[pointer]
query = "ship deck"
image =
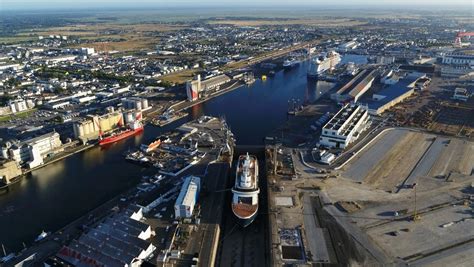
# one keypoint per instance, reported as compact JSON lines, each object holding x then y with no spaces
{"x":244,"y":210}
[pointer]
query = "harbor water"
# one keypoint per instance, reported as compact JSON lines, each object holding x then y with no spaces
{"x":53,"y":196}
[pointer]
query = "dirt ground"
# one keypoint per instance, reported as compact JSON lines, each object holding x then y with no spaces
{"x":458,"y":157}
{"x":398,"y":162}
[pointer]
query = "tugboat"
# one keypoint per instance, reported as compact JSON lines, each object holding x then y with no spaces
{"x":246,"y":190}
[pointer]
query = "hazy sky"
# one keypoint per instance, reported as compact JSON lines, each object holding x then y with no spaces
{"x":26,"y":4}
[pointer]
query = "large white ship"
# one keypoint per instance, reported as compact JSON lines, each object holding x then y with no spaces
{"x":323,"y":63}
{"x":245,"y":191}
{"x":290,"y":63}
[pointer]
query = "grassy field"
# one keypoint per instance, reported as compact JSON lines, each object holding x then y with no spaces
{"x":179,"y":77}
{"x":19,"y":115}
{"x":128,"y":37}
{"x":320,"y":22}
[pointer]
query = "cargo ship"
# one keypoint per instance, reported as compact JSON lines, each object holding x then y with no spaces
{"x":323,"y":63}
{"x":134,"y":128}
{"x":245,"y":191}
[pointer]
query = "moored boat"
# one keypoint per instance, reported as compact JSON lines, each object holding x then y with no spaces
{"x":246,"y":190}
{"x":135,"y":128}
{"x":323,"y":63}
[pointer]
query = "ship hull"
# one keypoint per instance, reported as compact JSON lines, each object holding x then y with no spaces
{"x":245,"y":222}
{"x":121,"y":136}
{"x":313,"y":75}
{"x":291,"y":65}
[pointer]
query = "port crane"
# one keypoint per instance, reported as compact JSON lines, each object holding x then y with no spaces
{"x":459,"y":36}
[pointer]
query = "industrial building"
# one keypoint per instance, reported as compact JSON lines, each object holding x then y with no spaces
{"x":389,"y":77}
{"x":345,"y":127}
{"x":188,"y":197}
{"x":385,"y":60}
{"x":32,"y":151}
{"x":84,"y":99}
{"x":394,"y":94}
{"x":93,"y":125}
{"x":120,"y":240}
{"x":461,"y":94}
{"x":196,"y":87}
{"x":455,"y":71}
{"x":9,"y":169}
{"x":356,"y":87}
{"x":456,"y":65}
{"x":347,"y":46}
{"x":458,"y":59}
{"x":19,"y":105}
{"x":137,"y":103}
{"x":87,"y":51}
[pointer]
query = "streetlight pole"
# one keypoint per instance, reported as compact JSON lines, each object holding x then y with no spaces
{"x":414,"y":214}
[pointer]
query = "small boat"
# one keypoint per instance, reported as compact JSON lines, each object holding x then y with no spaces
{"x":42,"y":236}
{"x":150,"y":147}
{"x":264,"y":77}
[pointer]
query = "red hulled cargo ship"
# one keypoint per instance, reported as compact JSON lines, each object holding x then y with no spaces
{"x":134,"y":128}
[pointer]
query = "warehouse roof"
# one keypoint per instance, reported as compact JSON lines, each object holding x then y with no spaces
{"x":396,"y":90}
{"x":188,"y":191}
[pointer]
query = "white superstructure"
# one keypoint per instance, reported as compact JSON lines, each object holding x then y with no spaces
{"x":323,"y":63}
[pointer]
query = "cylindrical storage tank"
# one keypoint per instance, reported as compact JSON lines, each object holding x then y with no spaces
{"x":138,"y":115}
{"x":89,"y":127}
{"x":144,"y":103}
{"x":4,"y":152}
{"x":129,"y":117}
{"x":80,"y":129}
{"x":139,"y":105}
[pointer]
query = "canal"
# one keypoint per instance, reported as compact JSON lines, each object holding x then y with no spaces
{"x":51,"y":197}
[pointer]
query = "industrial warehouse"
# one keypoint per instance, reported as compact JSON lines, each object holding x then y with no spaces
{"x":345,"y":127}
{"x":122,"y":240}
{"x":396,"y":93}
{"x":355,"y":88}
{"x":187,"y":198}
{"x":197,"y":87}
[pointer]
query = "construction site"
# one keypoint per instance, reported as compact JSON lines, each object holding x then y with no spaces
{"x":404,"y":198}
{"x":437,"y":111}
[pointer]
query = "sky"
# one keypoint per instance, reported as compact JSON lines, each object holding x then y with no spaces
{"x":31,"y":4}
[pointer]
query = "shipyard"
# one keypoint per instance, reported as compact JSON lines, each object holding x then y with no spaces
{"x":235,"y":139}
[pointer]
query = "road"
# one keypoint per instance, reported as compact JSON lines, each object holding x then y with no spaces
{"x":314,"y":234}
